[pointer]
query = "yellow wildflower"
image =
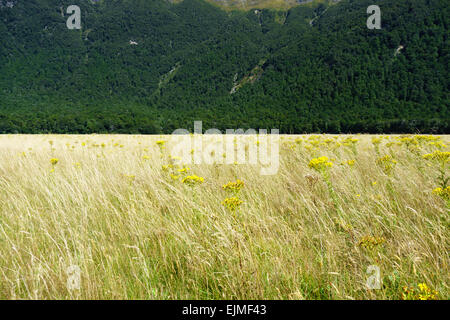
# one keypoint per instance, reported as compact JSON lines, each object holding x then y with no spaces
{"x":232,"y":204}
{"x":376,"y":141}
{"x":320,"y":164}
{"x":442,"y":192}
{"x":370,"y":242}
{"x":423,"y":292}
{"x":183,"y":170}
{"x":386,"y":163}
{"x":438,"y":144}
{"x":438,"y":156}
{"x":174,"y":157}
{"x":234,"y":187}
{"x":192,"y":180}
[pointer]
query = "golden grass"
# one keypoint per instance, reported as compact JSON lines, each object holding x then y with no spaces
{"x":136,"y":233}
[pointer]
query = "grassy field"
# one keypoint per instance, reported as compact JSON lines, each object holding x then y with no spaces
{"x":134,"y":223}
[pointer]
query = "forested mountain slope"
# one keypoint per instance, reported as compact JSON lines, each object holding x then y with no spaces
{"x":152,"y":66}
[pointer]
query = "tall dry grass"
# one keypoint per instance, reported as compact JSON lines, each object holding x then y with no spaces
{"x":136,"y":233}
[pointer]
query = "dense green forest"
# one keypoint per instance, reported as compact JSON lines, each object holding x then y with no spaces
{"x":315,"y":68}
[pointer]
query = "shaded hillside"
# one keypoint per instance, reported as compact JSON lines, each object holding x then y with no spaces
{"x":153,"y":66}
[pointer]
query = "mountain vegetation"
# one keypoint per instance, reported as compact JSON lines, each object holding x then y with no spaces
{"x":152,"y":66}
